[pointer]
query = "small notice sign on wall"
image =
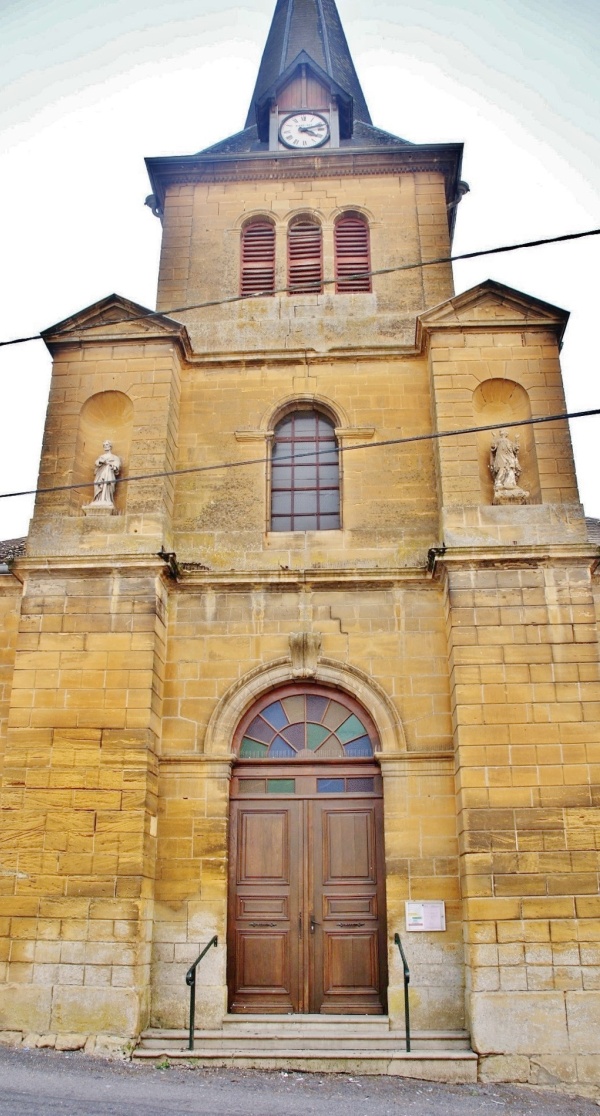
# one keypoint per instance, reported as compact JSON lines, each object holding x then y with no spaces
{"x":430,"y":914}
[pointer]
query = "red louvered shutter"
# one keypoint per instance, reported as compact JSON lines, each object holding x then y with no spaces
{"x":258,"y":259}
{"x":305,"y":258}
{"x":352,"y":255}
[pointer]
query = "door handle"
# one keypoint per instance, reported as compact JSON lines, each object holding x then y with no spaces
{"x":313,"y":924}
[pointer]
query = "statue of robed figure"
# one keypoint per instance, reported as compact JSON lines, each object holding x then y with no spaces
{"x":106,"y":470}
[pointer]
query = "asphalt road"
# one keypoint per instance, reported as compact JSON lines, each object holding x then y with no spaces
{"x":46,"y":1083}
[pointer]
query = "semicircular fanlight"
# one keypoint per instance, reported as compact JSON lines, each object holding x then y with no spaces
{"x":310,"y":725}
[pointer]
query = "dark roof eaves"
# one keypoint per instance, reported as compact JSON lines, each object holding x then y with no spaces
{"x":206,"y":155}
{"x":166,"y":169}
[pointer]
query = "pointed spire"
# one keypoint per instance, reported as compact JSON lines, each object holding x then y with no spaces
{"x":313,"y":26}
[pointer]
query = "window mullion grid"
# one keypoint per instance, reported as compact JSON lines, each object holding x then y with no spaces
{"x":318,"y":481}
{"x":293,"y":485}
{"x":307,"y":447}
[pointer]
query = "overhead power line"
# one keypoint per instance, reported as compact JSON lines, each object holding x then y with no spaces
{"x":433,"y":436}
{"x":326,"y":283}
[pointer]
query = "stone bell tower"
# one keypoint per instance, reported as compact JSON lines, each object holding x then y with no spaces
{"x":262,"y":623}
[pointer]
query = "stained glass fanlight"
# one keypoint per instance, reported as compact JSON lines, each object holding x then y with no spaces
{"x":309,"y":724}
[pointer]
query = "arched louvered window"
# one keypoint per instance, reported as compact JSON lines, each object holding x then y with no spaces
{"x":305,"y":474}
{"x":305,"y":257}
{"x":258,"y":258}
{"x":352,"y":254}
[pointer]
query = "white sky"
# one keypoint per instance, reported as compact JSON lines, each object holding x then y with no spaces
{"x":88,"y":88}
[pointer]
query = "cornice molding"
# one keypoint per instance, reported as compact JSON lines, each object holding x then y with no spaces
{"x":76,"y":566}
{"x":358,"y":578}
{"x":193,"y":358}
{"x":298,"y":356}
{"x":502,"y":557}
{"x":407,"y":764}
{"x":444,"y":159}
{"x":253,"y":435}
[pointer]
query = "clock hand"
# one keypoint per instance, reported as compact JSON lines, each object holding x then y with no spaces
{"x":311,"y":128}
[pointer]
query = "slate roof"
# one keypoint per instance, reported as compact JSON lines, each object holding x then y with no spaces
{"x":12,"y":548}
{"x":315,"y":27}
{"x":247,"y":141}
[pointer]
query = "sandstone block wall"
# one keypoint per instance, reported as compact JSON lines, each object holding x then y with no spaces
{"x":228,"y":413}
{"x":500,"y":345}
{"x":201,"y":259}
{"x":10,"y":592}
{"x":145,"y":373}
{"x":483,"y":671}
{"x":525,"y":692}
{"x":78,"y":803}
{"x":395,"y":637}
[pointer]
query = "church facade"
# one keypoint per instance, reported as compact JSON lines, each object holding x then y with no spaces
{"x":293,"y":672}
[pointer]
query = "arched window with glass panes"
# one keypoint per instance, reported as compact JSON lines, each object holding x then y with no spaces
{"x":305,"y":473}
{"x":307,"y":722}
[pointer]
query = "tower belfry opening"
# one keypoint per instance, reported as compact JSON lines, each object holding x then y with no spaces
{"x":289,"y":697}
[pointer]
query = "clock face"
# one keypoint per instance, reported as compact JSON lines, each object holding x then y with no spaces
{"x":302,"y":130}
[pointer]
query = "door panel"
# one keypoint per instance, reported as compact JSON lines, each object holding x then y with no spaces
{"x":264,"y":880}
{"x":348,"y":841}
{"x":264,"y":847}
{"x":263,"y":962}
{"x":350,"y":963}
{"x":349,"y":949}
{"x":306,"y":894}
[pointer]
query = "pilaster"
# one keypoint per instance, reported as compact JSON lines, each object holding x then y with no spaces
{"x":523,"y":650}
{"x":78,"y":800}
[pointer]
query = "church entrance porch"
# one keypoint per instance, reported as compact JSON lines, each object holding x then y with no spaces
{"x":306,"y":894}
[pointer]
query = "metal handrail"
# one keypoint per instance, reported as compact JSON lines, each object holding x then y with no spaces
{"x":406,"y":984}
{"x":190,"y":980}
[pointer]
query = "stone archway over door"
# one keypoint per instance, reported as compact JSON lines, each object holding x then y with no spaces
{"x":307,"y":926}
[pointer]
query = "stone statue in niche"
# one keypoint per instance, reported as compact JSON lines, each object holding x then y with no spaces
{"x":107,"y":468}
{"x":505,"y":468}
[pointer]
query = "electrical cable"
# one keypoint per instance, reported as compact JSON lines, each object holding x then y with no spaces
{"x":434,"y":436}
{"x":325,"y":283}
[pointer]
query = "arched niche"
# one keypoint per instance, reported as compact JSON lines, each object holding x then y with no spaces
{"x":501,"y":402}
{"x":108,"y":415}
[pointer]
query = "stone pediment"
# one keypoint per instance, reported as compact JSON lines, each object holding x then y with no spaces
{"x":492,"y":305}
{"x":115,"y":317}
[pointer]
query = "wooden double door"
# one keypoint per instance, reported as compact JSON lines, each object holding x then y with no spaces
{"x":306,"y":889}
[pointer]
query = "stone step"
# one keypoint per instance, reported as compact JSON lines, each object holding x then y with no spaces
{"x":459,"y":1067}
{"x":291,"y":1024}
{"x":304,"y":1037}
{"x":307,"y":1031}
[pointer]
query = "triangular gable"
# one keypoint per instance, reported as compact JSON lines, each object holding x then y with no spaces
{"x":493,"y":305}
{"x":345,"y":101}
{"x":114,"y":317}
